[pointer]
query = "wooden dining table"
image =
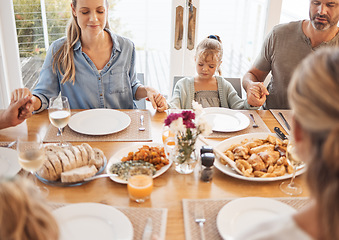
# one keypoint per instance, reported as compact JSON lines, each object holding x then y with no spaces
{"x":169,"y":189}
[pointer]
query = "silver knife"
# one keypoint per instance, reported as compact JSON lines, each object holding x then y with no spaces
{"x":148,"y":230}
{"x":283,"y":118}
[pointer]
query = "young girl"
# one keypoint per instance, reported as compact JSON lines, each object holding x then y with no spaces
{"x":206,"y":88}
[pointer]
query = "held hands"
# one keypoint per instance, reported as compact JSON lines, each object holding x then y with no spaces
{"x":19,"y":109}
{"x":256,"y":94}
{"x":25,"y":110}
{"x":158,"y":101}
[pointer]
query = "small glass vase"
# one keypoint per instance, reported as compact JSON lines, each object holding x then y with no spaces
{"x":186,"y":158}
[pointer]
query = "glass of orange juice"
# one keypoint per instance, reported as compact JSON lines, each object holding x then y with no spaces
{"x":140,"y":183}
{"x":167,"y":133}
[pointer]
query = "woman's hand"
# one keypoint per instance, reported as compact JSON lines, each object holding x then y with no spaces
{"x":158,"y":100}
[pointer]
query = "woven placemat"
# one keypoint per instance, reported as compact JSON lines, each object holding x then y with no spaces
{"x":262,"y":127}
{"x":129,"y":134}
{"x":212,"y":208}
{"x":138,"y":218}
{"x":287,"y":114}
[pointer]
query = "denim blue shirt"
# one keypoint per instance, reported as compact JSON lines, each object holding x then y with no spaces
{"x":114,"y":87}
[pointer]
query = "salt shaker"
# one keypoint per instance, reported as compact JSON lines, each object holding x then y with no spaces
{"x":207,"y":160}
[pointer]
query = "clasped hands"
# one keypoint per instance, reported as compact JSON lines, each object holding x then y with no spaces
{"x":157,"y":99}
{"x":256,"y":94}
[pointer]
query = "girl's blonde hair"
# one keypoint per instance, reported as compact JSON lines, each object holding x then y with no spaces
{"x":63,"y":59}
{"x":314,"y":97}
{"x":210,"y":46}
{"x":23,"y":212}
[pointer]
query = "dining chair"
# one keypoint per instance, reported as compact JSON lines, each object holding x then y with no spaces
{"x":141,"y":104}
{"x":236,"y":83}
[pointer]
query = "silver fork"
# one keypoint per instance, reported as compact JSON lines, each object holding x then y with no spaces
{"x":255,"y":125}
{"x":200,"y":218}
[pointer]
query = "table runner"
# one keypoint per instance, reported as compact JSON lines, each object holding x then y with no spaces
{"x":212,"y":208}
{"x":138,"y":218}
{"x":262,"y":127}
{"x":131,"y":133}
{"x":287,"y":114}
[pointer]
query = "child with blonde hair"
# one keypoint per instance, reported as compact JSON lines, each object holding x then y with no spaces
{"x":206,"y":88}
{"x":24,"y":215}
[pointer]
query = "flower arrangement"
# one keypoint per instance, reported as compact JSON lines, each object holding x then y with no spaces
{"x":187,"y":126}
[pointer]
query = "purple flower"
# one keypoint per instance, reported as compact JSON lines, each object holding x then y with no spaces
{"x":170,"y":118}
{"x":189,"y":124}
{"x":188,"y":115}
{"x":187,"y":118}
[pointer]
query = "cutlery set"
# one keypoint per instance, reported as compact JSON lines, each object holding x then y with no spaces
{"x":11,"y":144}
{"x":147,"y":235}
{"x":142,"y":128}
{"x":255,"y":125}
{"x":200,"y":219}
{"x":285,"y":121}
{"x":280,"y":133}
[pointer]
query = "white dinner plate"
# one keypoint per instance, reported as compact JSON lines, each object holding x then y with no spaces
{"x":124,"y":152}
{"x":9,"y":162}
{"x":244,"y":213}
{"x":222,"y":146}
{"x":100,"y":121}
{"x":226,"y":120}
{"x":87,"y":221}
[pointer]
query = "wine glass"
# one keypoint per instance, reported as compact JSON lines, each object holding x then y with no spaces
{"x":31,"y":155}
{"x":59,"y":114}
{"x":290,"y":187}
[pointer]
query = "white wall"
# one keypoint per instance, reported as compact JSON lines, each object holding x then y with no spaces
{"x":10,"y":70}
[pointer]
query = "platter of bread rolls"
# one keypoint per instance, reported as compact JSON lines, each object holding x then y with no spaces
{"x":69,"y":166}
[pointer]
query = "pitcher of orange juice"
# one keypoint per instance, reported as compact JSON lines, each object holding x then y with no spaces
{"x":140,"y":183}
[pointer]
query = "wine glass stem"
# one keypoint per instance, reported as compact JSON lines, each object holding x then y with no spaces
{"x":61,"y":137}
{"x":293,"y":176}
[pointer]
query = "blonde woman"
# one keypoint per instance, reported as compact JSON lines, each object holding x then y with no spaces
{"x":92,"y":66}
{"x":23,"y":212}
{"x":313,"y":94}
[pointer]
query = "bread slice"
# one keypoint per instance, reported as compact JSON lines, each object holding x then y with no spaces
{"x":78,"y":174}
{"x":66,"y":165}
{"x":54,"y":160}
{"x":90,"y":151}
{"x":84,"y":154}
{"x":53,"y":148}
{"x":43,"y":172}
{"x":71,"y":157}
{"x":77,"y":155}
{"x":52,"y":175}
{"x":98,"y":160}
